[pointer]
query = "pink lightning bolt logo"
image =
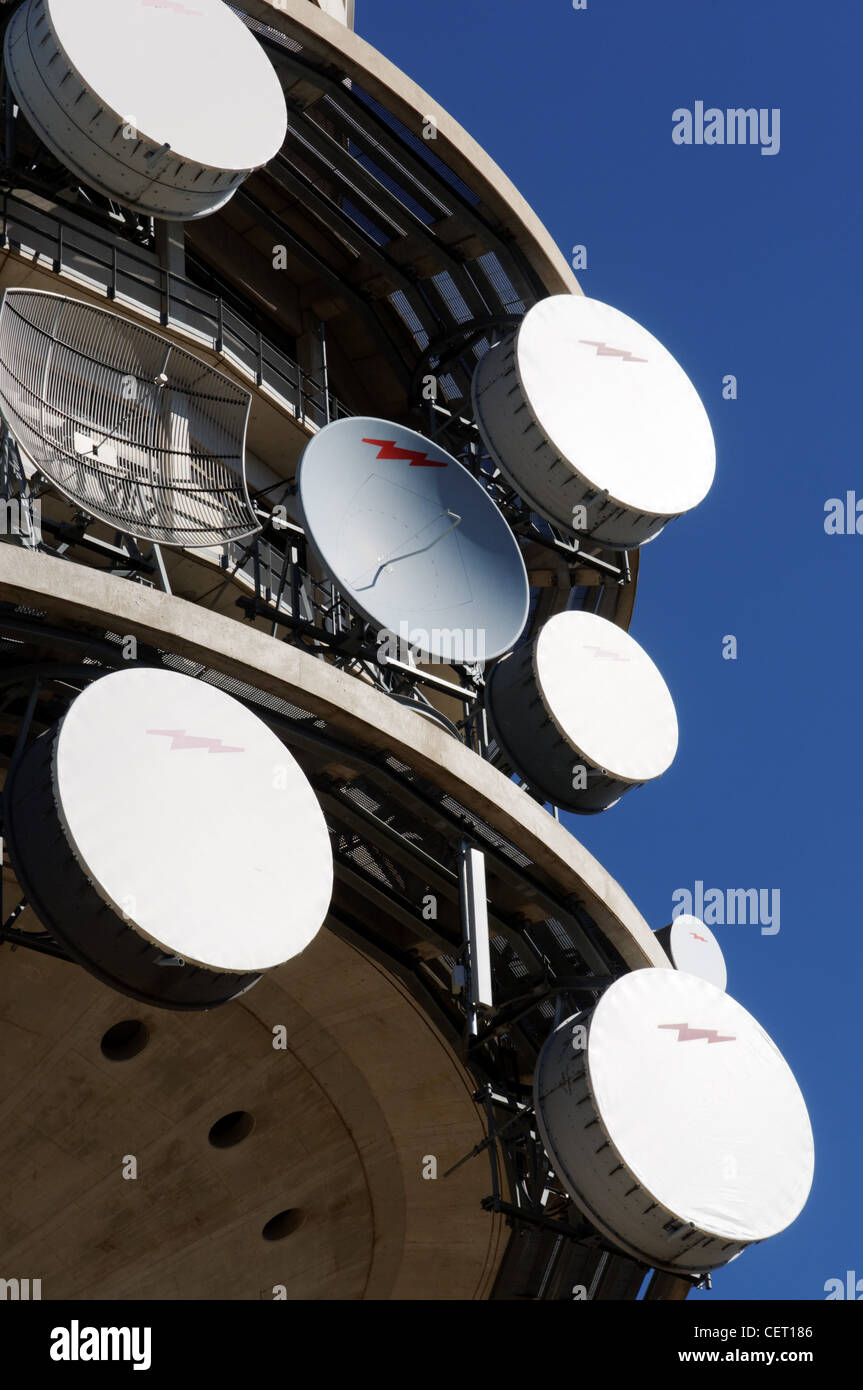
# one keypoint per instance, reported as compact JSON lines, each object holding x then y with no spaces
{"x":696,"y":937}
{"x":388,"y":449}
{"x":168,"y":5}
{"x":687,"y":1034}
{"x":605,"y":654}
{"x":180,"y":739}
{"x":603,"y":350}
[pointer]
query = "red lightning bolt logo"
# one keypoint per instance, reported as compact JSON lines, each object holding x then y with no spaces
{"x":696,"y":937}
{"x":388,"y":449}
{"x":603,"y":350}
{"x":687,"y":1034}
{"x":180,"y":739}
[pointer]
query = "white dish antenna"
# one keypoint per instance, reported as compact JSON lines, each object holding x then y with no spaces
{"x":133,"y":429}
{"x":414,"y":542}
{"x":165,"y":105}
{"x":581,"y":713}
{"x":162,"y":822}
{"x":678,"y":1128}
{"x":582,"y":408}
{"x":694,"y":949}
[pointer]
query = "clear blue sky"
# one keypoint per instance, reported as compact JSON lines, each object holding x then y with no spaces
{"x":747,"y":264}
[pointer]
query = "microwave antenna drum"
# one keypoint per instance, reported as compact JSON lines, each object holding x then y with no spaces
{"x":593,"y":422}
{"x":165,"y":835}
{"x":674,"y":1122}
{"x":165,"y":106}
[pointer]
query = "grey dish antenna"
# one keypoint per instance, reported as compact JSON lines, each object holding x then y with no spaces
{"x":594,"y":422}
{"x":139,"y":433}
{"x":414,"y":542}
{"x":165,"y":105}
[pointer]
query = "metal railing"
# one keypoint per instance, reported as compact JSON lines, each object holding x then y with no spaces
{"x":127,"y":275}
{"x":140,"y":433}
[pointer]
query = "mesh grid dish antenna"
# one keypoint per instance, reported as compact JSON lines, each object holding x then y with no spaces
{"x":168,"y":838}
{"x":581,"y":407}
{"x":136,"y":431}
{"x":581,"y":713}
{"x":694,"y":949}
{"x":165,"y":105}
{"x":415,"y":543}
{"x":677,"y":1126}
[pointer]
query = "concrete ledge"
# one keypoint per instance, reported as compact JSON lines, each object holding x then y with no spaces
{"x":70,"y":592}
{"x":330,"y":39}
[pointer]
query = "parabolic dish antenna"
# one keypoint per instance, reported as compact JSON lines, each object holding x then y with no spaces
{"x":694,"y":949}
{"x":582,"y":407}
{"x":415,"y":543}
{"x":133,"y":429}
{"x":161,"y":818}
{"x":582,"y":713}
{"x":679,"y":1128}
{"x":165,"y":105}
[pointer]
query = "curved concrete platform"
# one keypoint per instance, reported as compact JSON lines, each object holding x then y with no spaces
{"x":346,"y":1117}
{"x":364,"y":716}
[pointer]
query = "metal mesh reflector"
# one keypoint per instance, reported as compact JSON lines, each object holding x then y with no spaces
{"x":138,"y":432}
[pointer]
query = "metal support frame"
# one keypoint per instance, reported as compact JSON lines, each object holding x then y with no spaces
{"x":41,"y":941}
{"x":533,"y":1181}
{"x":474,"y":916}
{"x":15,"y":487}
{"x":536,"y":1187}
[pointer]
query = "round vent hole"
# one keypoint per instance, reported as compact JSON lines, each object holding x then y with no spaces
{"x":283,"y":1225}
{"x":125,"y":1040}
{"x":231,"y":1129}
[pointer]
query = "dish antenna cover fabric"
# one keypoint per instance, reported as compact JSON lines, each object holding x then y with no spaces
{"x":679,"y":1128}
{"x":162,"y":819}
{"x":694,"y":949}
{"x":581,"y":713}
{"x":138,"y":432}
{"x":581,"y":406}
{"x":165,"y":105}
{"x":415,"y":543}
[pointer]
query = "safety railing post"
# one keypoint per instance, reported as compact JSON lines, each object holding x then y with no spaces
{"x":141,"y":277}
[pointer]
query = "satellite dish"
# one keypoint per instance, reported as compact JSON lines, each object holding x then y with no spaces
{"x":165,"y":835}
{"x":415,"y":543}
{"x":582,"y":407}
{"x":133,"y":429}
{"x":694,"y":949}
{"x":678,"y":1128}
{"x":165,"y":105}
{"x":581,"y":713}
